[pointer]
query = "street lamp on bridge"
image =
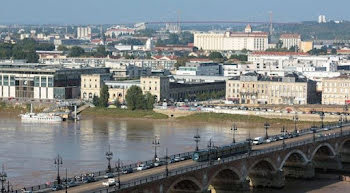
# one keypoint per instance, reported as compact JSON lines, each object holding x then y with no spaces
{"x":3,"y":177}
{"x":155,"y":143}
{"x":295,"y":119}
{"x":234,"y":129}
{"x":314,"y":130}
{"x":341,"y":119}
{"x":118,"y":166}
{"x":266,"y":126}
{"x":58,"y":162}
{"x":109,"y":156}
{"x":283,"y":131}
{"x":346,"y":109}
{"x":197,"y":138}
{"x":322,"y":115}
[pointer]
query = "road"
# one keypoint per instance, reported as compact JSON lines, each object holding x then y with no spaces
{"x":96,"y":186}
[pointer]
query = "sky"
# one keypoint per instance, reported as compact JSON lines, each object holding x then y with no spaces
{"x":130,"y":11}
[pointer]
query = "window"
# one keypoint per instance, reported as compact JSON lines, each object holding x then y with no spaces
{"x":155,"y":88}
{"x":50,"y":81}
{"x":12,"y":81}
{"x":43,"y":81}
{"x":37,"y":81}
{"x":0,"y":80}
{"x":6,"y":80}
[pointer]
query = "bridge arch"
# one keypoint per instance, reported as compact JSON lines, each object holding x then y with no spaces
{"x":344,"y":152}
{"x":225,"y":179}
{"x":325,"y":147}
{"x":264,"y":173}
{"x":296,"y":152}
{"x":185,"y":185}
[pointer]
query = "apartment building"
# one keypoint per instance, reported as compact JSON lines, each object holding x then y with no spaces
{"x":91,"y":85}
{"x":336,"y":91}
{"x":250,"y":40}
{"x":156,"y":85}
{"x":291,"y":40}
{"x":253,"y":88}
{"x":199,"y":69}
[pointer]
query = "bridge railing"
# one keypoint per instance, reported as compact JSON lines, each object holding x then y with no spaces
{"x":199,"y":166}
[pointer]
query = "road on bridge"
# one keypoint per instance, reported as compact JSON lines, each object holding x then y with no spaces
{"x":97,"y":186}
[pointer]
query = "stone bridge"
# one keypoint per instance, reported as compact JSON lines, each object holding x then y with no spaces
{"x":263,"y":168}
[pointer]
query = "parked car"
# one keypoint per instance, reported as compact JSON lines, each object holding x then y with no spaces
{"x":109,"y":175}
{"x":128,"y":171}
{"x":56,"y":187}
{"x":109,"y":182}
{"x":141,"y":167}
{"x":258,"y":140}
{"x":177,"y":159}
{"x":89,"y":179}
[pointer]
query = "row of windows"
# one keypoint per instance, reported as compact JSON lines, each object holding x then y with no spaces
{"x":334,"y":84}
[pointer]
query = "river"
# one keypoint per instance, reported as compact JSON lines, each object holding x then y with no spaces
{"x":27,"y":150}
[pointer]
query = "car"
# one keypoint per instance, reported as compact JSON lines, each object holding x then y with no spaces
{"x":56,"y":187}
{"x":281,"y":137}
{"x":128,"y":171}
{"x":141,"y":167}
{"x":150,"y":165}
{"x":268,"y":140}
{"x":326,"y":129}
{"x":71,"y":184}
{"x":89,"y":179}
{"x":258,"y":140}
{"x":109,"y":175}
{"x":109,"y":182}
{"x":177,"y":159}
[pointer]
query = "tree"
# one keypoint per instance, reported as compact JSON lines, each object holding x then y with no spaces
{"x":334,"y":51}
{"x":149,"y":101}
{"x":215,"y":56}
{"x":117,"y":103}
{"x":104,"y":96}
{"x":101,"y":52}
{"x":239,"y":57}
{"x":76,"y":51}
{"x":62,"y":48}
{"x":95,"y":101}
{"x":134,"y":98}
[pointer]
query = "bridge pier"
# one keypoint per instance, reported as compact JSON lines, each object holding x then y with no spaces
{"x":298,"y":170}
{"x":273,"y":179}
{"x":327,"y":162}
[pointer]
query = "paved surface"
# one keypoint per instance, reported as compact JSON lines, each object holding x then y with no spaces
{"x":96,"y":186}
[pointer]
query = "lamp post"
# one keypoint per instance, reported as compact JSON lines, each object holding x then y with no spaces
{"x":234,"y":129}
{"x":58,"y":162}
{"x":266,"y":126}
{"x":283,"y":131}
{"x":118,"y":173}
{"x":295,"y":119}
{"x":66,"y":181}
{"x":313,"y":129}
{"x":109,"y":156}
{"x":197,"y":138}
{"x":155,"y":143}
{"x":341,"y":125}
{"x":322,"y":115}
{"x":3,"y":177}
{"x":346,"y":109}
{"x":210,"y":146}
{"x":166,"y":163}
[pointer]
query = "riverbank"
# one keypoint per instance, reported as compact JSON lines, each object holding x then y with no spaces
{"x":123,"y":113}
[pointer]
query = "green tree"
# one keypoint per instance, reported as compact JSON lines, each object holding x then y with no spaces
{"x":117,"y":103}
{"x":76,"y":51}
{"x":216,"y":56}
{"x":101,"y":51}
{"x":95,"y":101}
{"x":104,"y":96}
{"x":240,"y":57}
{"x":149,"y":101}
{"x":62,"y":48}
{"x":134,"y":98}
{"x":334,"y":51}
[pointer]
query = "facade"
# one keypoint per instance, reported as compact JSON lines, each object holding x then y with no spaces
{"x":322,"y":19}
{"x":91,"y":84}
{"x":156,"y":85}
{"x":306,"y":46}
{"x":119,"y":31}
{"x":255,"y":41}
{"x":84,"y":32}
{"x":35,"y":81}
{"x":291,"y":40}
{"x":256,"y":89}
{"x":336,"y":91}
{"x":199,"y":69}
{"x":117,"y":89}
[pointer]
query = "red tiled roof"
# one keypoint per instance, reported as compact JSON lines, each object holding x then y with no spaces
{"x":296,"y":36}
{"x":280,"y":53}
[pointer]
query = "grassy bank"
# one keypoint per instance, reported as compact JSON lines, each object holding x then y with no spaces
{"x":9,"y":108}
{"x":220,"y":117}
{"x":123,"y":113}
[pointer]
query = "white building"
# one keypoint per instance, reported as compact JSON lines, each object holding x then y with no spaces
{"x":291,"y":40}
{"x":119,"y":31}
{"x":84,"y":33}
{"x":322,"y":19}
{"x":255,"y":41}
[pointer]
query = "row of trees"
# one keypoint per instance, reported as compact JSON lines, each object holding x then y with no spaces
{"x":24,"y":49}
{"x":176,"y":39}
{"x":77,"y":51}
{"x":135,"y":99}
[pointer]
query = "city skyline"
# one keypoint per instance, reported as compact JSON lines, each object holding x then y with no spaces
{"x":109,"y":12}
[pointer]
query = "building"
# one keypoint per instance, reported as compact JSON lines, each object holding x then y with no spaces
{"x":157,"y":86}
{"x":45,"y":82}
{"x":250,"y":40}
{"x":291,"y":41}
{"x":336,"y":91}
{"x":117,"y":89}
{"x":306,"y":46}
{"x":322,"y":19}
{"x":116,"y":31}
{"x":91,"y":84}
{"x":84,"y":33}
{"x":253,"y":88}
{"x":199,"y":69}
